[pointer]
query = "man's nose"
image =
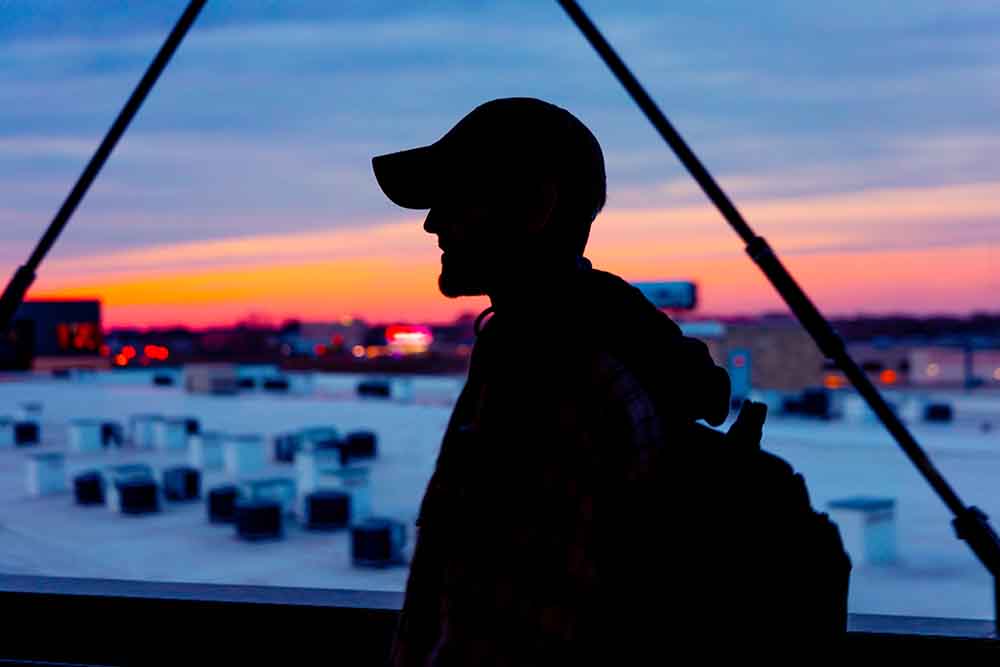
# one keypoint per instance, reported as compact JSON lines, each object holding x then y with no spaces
{"x":430,"y":223}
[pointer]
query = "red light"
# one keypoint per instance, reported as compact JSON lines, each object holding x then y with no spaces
{"x":85,"y":335}
{"x":157,"y":352}
{"x":337,"y":340}
{"x":78,"y":336}
{"x":62,"y":335}
{"x":105,"y":351}
{"x":319,"y":350}
{"x":405,"y":332}
{"x":121,"y":359}
{"x":128,"y":352}
{"x":888,"y":376}
{"x":739,"y":361}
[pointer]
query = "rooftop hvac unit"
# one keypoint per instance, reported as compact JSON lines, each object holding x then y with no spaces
{"x":46,"y":474}
{"x":86,"y":435}
{"x":170,"y":434}
{"x":222,"y":503}
{"x":142,"y":430}
{"x":244,"y":455}
{"x":27,"y":433}
{"x":116,"y":475}
{"x":359,"y":445}
{"x":111,"y":434}
{"x":286,"y":445}
{"x":940,"y":413}
{"x":138,"y":496}
{"x":320,"y":437}
{"x":88,"y":488}
{"x":375,"y":388}
{"x":205,"y":450}
{"x":278,"y":489}
{"x":259,"y":520}
{"x":327,"y":510}
{"x":812,"y":402}
{"x":399,"y":389}
{"x":275,"y":384}
{"x":868,"y":528}
{"x":354,"y":480}
{"x":181,"y":483}
{"x":378,"y":542}
{"x":315,"y":469}
{"x":163,"y":380}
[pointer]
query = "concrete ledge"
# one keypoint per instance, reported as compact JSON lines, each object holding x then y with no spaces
{"x":116,"y":622}
{"x":920,"y":626}
{"x":223,"y":593}
{"x":119,"y":622}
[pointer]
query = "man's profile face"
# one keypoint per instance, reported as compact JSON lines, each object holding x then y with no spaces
{"x":466,"y":234}
{"x":485,"y":233}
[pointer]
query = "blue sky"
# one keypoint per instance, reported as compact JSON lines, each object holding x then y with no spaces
{"x":267,"y":118}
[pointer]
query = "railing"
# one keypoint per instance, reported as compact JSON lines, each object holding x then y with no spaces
{"x":59,"y":620}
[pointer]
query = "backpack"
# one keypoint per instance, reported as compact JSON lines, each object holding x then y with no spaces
{"x":799,"y":573}
{"x":729,"y":547}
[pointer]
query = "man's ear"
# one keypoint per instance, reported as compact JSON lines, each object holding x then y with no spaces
{"x":541,"y":207}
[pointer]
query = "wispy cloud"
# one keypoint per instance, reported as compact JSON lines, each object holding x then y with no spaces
{"x":847,"y":133}
{"x":881,"y":235}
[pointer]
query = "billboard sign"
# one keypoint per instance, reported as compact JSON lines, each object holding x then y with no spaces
{"x":673,"y":295}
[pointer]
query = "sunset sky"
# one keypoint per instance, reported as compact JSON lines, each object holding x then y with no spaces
{"x":863,"y":141}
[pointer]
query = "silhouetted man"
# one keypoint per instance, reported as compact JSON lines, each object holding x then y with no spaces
{"x":541,"y":528}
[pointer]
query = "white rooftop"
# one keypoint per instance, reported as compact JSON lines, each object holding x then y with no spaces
{"x":936,"y":575}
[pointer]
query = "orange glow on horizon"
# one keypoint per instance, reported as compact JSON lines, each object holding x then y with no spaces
{"x":388,"y":272}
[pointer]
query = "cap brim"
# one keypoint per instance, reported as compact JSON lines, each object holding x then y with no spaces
{"x":408,"y":178}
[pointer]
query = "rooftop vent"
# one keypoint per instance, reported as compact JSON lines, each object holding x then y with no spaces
{"x":378,"y":542}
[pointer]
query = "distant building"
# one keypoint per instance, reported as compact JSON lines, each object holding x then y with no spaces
{"x":931,"y":365}
{"x":50,"y":335}
{"x":319,"y":339}
{"x":455,"y":339}
{"x":954,"y":367}
{"x":766,"y":353}
{"x":884,"y":363}
{"x":986,"y":366}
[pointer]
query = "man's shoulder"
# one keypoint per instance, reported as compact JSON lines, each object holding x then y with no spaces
{"x":617,"y":393}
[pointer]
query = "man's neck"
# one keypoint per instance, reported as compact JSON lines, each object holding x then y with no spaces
{"x":537,"y":291}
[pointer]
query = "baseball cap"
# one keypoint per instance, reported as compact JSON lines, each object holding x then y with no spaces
{"x":503,"y":142}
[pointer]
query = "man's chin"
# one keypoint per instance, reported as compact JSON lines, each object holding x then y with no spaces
{"x":454,"y":286}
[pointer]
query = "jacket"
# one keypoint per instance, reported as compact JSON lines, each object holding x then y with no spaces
{"x":528,"y":529}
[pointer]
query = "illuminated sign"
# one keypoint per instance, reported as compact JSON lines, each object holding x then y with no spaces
{"x":408,"y":339}
{"x":673,"y":295}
